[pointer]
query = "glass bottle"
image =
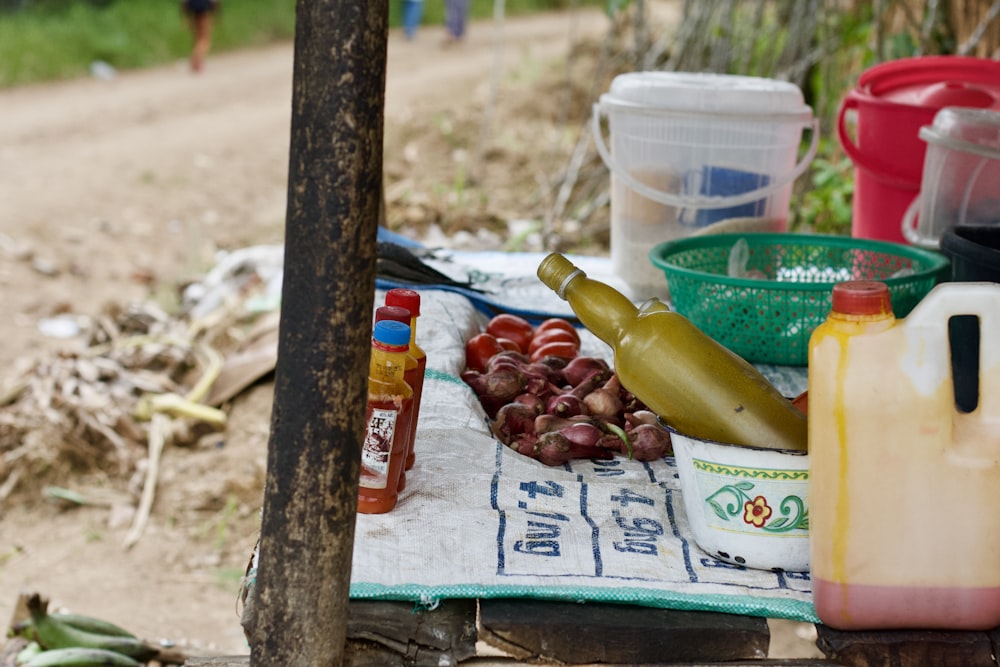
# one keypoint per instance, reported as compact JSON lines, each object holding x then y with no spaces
{"x":416,"y":363}
{"x":653,"y":305}
{"x":390,"y":400}
{"x":696,"y":385}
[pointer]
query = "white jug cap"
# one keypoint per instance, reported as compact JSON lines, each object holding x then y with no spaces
{"x":708,"y":93}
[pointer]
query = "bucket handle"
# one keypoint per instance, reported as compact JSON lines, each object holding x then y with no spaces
{"x":929,"y":319}
{"x":697,"y":201}
{"x":909,"y":224}
{"x":885,"y":171}
{"x":909,"y":227}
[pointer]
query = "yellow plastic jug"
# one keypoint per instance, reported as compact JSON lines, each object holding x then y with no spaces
{"x":904,"y":487}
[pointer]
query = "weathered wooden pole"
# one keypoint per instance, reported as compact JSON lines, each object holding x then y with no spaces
{"x":317,"y":424}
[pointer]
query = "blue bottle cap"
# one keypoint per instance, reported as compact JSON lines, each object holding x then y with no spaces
{"x":392,"y":333}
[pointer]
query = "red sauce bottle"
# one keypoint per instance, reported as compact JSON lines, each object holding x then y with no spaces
{"x":390,"y":399}
{"x":416,"y":364}
{"x":400,"y":314}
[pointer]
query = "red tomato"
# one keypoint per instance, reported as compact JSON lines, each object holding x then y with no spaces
{"x":479,"y":349}
{"x":559,"y":324}
{"x":508,"y":344}
{"x":558,"y":348}
{"x":512,"y":327}
{"x":552,"y":336}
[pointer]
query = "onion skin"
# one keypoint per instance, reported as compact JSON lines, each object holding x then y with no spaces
{"x":524,"y":445}
{"x":502,"y":384}
{"x":496,"y":388}
{"x":637,"y":417}
{"x":582,"y":434}
{"x":502,"y":361}
{"x":555,"y":449}
{"x":650,"y":442}
{"x":580,"y":368}
{"x":518,"y":361}
{"x":553,"y":375}
{"x":512,"y":420}
{"x":591,"y":383}
{"x":552,"y":361}
{"x":545,"y":423}
{"x":539,"y":379}
{"x":539,"y":386}
{"x":536,"y":404}
{"x":605,"y":404}
{"x":514,"y":355}
{"x":613,"y":443}
{"x":565,"y":405}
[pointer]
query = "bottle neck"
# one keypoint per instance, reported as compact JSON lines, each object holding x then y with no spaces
{"x":864,"y":317}
{"x":851,"y":323}
{"x":413,"y":332}
{"x":387,"y":364}
{"x":602,"y":309}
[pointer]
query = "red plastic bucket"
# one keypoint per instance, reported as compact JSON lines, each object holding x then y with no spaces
{"x":889,"y":105}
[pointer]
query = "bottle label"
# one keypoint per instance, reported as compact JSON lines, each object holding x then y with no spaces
{"x":377,"y":447}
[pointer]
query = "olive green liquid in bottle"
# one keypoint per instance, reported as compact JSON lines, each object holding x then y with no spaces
{"x":696,"y":385}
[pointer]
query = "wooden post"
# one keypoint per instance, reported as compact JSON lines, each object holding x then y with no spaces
{"x":317,"y":423}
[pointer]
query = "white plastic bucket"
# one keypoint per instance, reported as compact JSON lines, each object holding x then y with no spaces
{"x":688,"y":150}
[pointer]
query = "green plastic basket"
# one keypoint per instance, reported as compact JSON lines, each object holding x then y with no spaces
{"x":768,"y":320}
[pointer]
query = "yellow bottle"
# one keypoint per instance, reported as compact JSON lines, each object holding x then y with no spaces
{"x":693,"y":383}
{"x":416,"y":361}
{"x":387,"y":415}
{"x":903,"y":490}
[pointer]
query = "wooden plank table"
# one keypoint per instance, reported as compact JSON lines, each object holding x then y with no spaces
{"x":518,"y":631}
{"x":504,"y":632}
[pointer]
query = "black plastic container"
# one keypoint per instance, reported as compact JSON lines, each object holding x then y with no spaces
{"x":974,"y":251}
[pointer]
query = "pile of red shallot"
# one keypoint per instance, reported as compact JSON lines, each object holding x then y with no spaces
{"x":548,"y":402}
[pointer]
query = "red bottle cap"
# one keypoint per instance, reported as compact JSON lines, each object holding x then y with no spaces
{"x":862,"y":297}
{"x":407,"y":298}
{"x":393,"y":313}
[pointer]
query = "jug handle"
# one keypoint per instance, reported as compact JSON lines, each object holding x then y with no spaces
{"x":982,"y":299}
{"x":695,"y":201}
{"x":885,"y":171}
{"x":909,"y":226}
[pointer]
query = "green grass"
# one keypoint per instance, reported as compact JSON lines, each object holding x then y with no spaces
{"x":45,"y":45}
{"x":61,"y":40}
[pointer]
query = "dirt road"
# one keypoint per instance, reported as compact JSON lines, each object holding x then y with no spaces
{"x":108,"y":186}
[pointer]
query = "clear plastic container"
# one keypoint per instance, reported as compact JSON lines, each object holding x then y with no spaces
{"x":903,"y":490}
{"x":961,"y":177}
{"x":689,"y":150}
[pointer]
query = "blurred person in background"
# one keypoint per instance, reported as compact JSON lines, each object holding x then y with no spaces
{"x":413,"y":11}
{"x":455,"y":15}
{"x":200,"y":15}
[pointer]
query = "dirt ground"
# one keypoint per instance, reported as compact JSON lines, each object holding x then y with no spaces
{"x":122,"y":190}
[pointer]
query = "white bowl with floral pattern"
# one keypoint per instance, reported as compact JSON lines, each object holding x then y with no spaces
{"x":746,"y":505}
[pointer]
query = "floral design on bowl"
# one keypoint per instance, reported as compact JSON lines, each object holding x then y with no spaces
{"x":746,"y":505}
{"x":742,"y":499}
